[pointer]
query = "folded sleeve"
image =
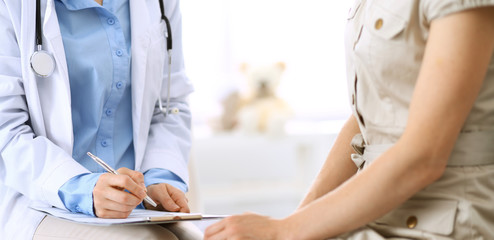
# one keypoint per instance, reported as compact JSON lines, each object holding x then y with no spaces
{"x":77,"y":193}
{"x":157,"y":176}
{"x":433,"y":9}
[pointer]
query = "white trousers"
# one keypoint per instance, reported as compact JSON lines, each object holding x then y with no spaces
{"x":53,"y":228}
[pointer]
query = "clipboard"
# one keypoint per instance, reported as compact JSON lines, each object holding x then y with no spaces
{"x":138,"y":216}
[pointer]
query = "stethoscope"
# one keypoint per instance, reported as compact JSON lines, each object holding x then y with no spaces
{"x":43,"y":63}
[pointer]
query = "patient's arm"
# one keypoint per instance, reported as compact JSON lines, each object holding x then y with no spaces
{"x":451,"y":76}
{"x":338,"y":166}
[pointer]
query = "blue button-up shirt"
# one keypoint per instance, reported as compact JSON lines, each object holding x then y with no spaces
{"x":97,"y":47}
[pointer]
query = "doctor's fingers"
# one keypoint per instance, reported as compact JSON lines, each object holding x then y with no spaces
{"x":112,"y":202}
{"x":119,"y":182}
{"x":163,"y":194}
{"x":108,"y":213}
{"x":138,"y":177}
{"x":179,"y":198}
{"x":118,"y":196}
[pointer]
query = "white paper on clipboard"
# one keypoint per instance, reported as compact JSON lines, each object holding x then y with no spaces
{"x":138,"y":216}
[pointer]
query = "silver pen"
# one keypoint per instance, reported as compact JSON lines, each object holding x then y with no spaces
{"x":111,"y":170}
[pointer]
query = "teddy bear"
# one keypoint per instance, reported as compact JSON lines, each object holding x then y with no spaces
{"x":258,"y":110}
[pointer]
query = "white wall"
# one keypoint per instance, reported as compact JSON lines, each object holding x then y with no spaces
{"x":267,"y":175}
{"x":219,"y":35}
{"x":257,"y":174}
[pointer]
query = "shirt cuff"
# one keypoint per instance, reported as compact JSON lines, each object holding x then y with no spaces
{"x":160,"y":175}
{"x":77,"y":193}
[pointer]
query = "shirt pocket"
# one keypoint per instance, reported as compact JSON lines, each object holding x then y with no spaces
{"x":384,"y":37}
{"x":383,"y":48}
{"x":434,"y":216}
{"x":384,"y":24}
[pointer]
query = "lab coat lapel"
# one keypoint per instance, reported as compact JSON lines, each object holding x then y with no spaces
{"x":140,"y":22}
{"x":30,"y":83}
{"x":54,"y":92}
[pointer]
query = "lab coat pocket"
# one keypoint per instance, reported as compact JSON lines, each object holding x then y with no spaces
{"x":434,"y":216}
{"x":156,"y":56}
{"x":157,"y":33}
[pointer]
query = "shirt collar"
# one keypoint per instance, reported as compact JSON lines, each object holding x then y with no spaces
{"x":75,"y":5}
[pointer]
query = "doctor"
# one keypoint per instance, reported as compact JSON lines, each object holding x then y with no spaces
{"x":102,"y":97}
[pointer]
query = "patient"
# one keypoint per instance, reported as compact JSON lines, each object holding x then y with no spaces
{"x":415,"y":160}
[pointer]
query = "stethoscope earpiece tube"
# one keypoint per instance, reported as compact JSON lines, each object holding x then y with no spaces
{"x":168,"y":36}
{"x":42,"y":62}
{"x":169,"y":33}
{"x":168,"y":27}
{"x":39,"y":37}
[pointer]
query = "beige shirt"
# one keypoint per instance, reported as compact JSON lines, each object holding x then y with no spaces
{"x":385,"y":44}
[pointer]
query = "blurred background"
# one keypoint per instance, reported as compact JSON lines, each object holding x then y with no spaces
{"x":270,"y":98}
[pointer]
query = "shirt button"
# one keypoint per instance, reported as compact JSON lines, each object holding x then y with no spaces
{"x":412,"y":222}
{"x":379,"y":23}
{"x":108,"y":112}
{"x":110,"y":21}
{"x":104,"y":143}
{"x":119,"y":85}
{"x":119,"y":52}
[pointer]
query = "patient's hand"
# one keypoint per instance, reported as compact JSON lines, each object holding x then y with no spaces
{"x":248,"y":226}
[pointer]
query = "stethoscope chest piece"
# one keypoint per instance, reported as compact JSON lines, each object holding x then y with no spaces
{"x":42,"y":63}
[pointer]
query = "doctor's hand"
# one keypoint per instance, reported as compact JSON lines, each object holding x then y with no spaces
{"x":110,"y":200}
{"x":168,"y":198}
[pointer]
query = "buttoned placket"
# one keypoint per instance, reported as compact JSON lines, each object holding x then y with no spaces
{"x":120,"y":58}
{"x":354,"y":89}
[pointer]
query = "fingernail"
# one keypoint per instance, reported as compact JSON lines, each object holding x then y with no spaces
{"x":144,"y":187}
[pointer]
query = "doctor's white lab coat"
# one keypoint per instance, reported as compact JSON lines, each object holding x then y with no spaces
{"x":36,"y":136}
